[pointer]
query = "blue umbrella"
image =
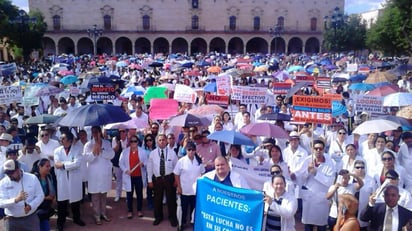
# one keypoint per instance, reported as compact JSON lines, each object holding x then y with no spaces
{"x":295,"y":68}
{"x":338,"y":108}
{"x":203,"y":64}
{"x":94,"y":115}
{"x":231,"y":137}
{"x":69,"y":79}
{"x":361,"y":87}
{"x":187,"y":65}
{"x":381,"y":84}
{"x":357,"y":78}
{"x":210,"y":87}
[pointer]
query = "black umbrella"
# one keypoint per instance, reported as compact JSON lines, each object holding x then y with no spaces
{"x":94,"y":114}
{"x":275,"y":116}
{"x":156,"y":64}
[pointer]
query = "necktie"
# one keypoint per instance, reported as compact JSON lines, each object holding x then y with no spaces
{"x":162,"y":163}
{"x":278,"y":201}
{"x":388,"y":220}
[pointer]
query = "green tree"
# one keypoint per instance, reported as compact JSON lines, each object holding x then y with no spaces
{"x":347,"y":33}
{"x":392,"y":33}
{"x":21,"y":30}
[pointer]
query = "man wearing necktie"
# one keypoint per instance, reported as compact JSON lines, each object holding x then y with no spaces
{"x":388,"y":216}
{"x":160,"y":166}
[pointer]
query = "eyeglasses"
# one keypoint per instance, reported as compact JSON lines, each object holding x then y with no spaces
{"x":342,"y":133}
{"x":43,"y":135}
{"x":318,"y":148}
{"x":190,"y":149}
{"x":360,"y":167}
{"x":275,"y":172}
{"x":387,"y":159}
{"x":133,"y":141}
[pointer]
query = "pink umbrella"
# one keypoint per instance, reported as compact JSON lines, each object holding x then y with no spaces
{"x":265,"y":129}
{"x":385,"y":90}
{"x":65,"y":72}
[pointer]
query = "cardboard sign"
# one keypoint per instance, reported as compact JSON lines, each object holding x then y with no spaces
{"x":323,"y":82}
{"x":305,"y":79}
{"x":312,"y":109}
{"x":102,"y":92}
{"x":161,"y":109}
{"x":223,"y":85}
{"x":370,"y":104}
{"x":220,"y":100}
{"x":281,"y":88}
{"x":184,"y":94}
{"x":10,"y":94}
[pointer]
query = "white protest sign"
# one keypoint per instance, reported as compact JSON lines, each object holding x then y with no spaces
{"x":10,"y":94}
{"x":223,"y":85}
{"x":184,"y":94}
{"x":369,"y":103}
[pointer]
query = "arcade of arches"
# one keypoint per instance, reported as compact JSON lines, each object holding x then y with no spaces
{"x":166,"y":44}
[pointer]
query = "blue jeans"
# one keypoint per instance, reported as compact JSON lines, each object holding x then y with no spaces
{"x":319,"y":228}
{"x":136,"y":185}
{"x":44,"y":225}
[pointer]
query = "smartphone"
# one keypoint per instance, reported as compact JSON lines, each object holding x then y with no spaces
{"x":344,"y":209}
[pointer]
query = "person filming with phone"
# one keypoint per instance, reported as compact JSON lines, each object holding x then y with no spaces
{"x":347,"y":209}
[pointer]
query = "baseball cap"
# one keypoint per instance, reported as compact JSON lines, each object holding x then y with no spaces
{"x":10,"y":166}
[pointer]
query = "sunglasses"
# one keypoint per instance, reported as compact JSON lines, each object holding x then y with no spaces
{"x":342,"y":133}
{"x":360,"y":167}
{"x":149,"y":140}
{"x":387,"y":159}
{"x":318,"y":148}
{"x":275,"y":172}
{"x":190,"y":149}
{"x":134,"y":141}
{"x":43,"y":135}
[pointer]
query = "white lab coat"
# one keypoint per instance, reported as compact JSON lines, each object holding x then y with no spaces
{"x":124,"y":166}
{"x":99,"y":169}
{"x":69,"y":179}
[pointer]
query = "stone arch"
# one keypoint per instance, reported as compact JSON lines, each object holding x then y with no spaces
{"x":312,"y":46}
{"x":123,"y":45}
{"x":257,"y":45}
{"x":217,"y":44}
{"x":198,"y":45}
{"x":180,"y":45}
{"x":142,"y":45}
{"x":235,"y":46}
{"x":49,"y":46}
{"x":295,"y":45}
{"x":278,"y":45}
{"x":161,"y":45}
{"x":65,"y":45}
{"x":84,"y":46}
{"x":104,"y":46}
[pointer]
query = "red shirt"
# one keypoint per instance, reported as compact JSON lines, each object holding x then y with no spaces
{"x":133,"y":161}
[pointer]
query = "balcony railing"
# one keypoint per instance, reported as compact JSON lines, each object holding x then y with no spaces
{"x":193,"y":29}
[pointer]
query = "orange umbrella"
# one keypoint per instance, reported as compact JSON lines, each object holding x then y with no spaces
{"x":380,"y":76}
{"x":214,"y":69}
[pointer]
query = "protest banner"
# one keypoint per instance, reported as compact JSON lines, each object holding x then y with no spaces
{"x":220,"y":207}
{"x":10,"y":94}
{"x":161,"y":109}
{"x":217,"y":100}
{"x":281,"y":88}
{"x":312,"y":109}
{"x":255,"y":176}
{"x":337,"y":97}
{"x":102,"y":92}
{"x":74,"y":91}
{"x":369,"y":103}
{"x":223,"y":84}
{"x":351,"y":67}
{"x":29,"y":98}
{"x":323,"y":82}
{"x":184,"y":94}
{"x":236,"y":93}
{"x":310,"y":80}
{"x":251,"y":95}
{"x":8,"y":69}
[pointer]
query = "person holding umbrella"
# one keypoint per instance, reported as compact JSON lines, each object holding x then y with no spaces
{"x":187,"y":170}
{"x":98,"y":154}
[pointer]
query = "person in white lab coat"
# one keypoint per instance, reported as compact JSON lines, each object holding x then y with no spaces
{"x":67,"y":161}
{"x":98,"y":154}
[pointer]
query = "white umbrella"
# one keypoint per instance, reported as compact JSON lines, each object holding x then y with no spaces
{"x":375,"y":126}
{"x":398,"y":99}
{"x":130,"y":124}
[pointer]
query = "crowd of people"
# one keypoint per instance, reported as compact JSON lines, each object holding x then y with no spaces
{"x":326,"y":174}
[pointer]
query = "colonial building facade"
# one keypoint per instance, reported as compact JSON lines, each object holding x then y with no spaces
{"x":184,"y":26}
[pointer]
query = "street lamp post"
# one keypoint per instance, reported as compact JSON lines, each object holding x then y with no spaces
{"x":337,"y":20}
{"x":276,"y":33}
{"x":95,"y":34}
{"x":24,"y":26}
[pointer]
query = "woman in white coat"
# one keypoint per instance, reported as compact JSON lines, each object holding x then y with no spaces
{"x":68,"y":159}
{"x":131,"y":162}
{"x":98,"y":154}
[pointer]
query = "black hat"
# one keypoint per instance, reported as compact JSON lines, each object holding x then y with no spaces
{"x":392,"y":174}
{"x":406,"y":135}
{"x":190,"y":145}
{"x":269,"y":141}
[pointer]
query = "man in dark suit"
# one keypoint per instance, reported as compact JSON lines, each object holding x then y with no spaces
{"x":388,"y":215}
